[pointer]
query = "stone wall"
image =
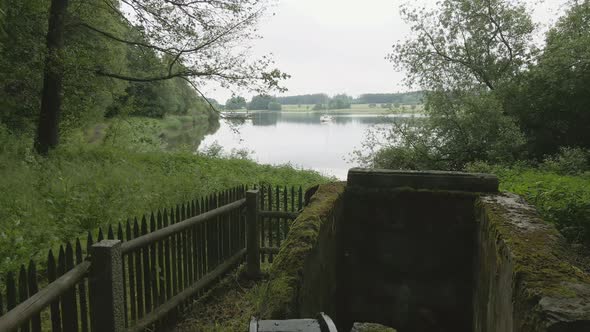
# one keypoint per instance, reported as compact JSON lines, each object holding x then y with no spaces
{"x":524,"y":280}
{"x":406,"y":259}
{"x":303,"y":273}
{"x":427,"y":251}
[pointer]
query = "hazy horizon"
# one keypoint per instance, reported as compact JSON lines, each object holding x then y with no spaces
{"x":339,"y":46}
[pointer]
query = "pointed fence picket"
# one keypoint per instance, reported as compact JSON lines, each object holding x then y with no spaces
{"x":168,"y":259}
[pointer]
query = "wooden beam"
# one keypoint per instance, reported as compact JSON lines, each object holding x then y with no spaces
{"x":33,"y":305}
{"x":146,"y":240}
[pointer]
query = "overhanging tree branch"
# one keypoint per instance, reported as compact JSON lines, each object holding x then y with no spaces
{"x":125,"y":41}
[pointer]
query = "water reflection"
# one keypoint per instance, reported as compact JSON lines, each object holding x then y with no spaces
{"x":313,"y":118}
{"x":300,"y":138}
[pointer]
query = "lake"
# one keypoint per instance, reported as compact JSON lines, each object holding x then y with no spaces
{"x":299,"y":138}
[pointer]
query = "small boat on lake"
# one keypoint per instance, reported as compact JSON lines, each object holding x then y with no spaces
{"x":326,"y":118}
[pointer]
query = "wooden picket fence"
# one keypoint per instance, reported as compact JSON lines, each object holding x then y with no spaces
{"x":160,"y":264}
{"x":275,"y":226}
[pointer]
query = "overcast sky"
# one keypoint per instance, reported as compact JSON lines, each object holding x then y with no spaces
{"x":339,"y":46}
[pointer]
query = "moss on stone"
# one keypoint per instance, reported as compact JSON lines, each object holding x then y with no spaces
{"x":541,"y":268}
{"x":371,"y":327}
{"x":280,"y":300}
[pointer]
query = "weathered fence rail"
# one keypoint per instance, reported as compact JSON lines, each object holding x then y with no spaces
{"x":278,"y":208}
{"x":145,"y":272}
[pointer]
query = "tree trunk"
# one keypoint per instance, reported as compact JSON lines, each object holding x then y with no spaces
{"x":48,"y":127}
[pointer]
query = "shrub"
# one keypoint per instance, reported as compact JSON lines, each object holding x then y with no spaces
{"x":568,"y":161}
{"x":460,"y":128}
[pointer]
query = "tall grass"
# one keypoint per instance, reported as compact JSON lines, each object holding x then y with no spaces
{"x":79,"y":187}
{"x":562,"y":198}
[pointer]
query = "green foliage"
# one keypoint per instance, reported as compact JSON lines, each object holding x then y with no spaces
{"x":260,"y":102}
{"x":87,"y":96}
{"x":465,"y":44}
{"x":2,"y":18}
{"x":484,"y":49}
{"x":235,"y":103}
{"x":489,"y":97}
{"x":406,"y":98}
{"x":274,"y":106}
{"x":460,"y":128}
{"x":286,"y":275}
{"x":80,"y":187}
{"x":317,"y":98}
{"x":460,"y":52}
{"x":319,"y":107}
{"x":569,"y":161}
{"x":563,"y":200}
{"x":157,"y":98}
{"x":551,"y":100}
{"x":340,"y":102}
{"x":172,"y":133}
{"x":21,"y":62}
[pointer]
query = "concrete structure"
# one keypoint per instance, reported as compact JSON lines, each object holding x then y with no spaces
{"x":427,"y":251}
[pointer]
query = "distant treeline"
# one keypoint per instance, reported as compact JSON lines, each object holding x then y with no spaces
{"x":323,"y":101}
{"x":311,"y":99}
{"x":267,"y":102}
{"x":406,"y":98}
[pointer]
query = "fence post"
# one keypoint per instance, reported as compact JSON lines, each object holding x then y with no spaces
{"x":106,"y":287}
{"x":252,"y":237}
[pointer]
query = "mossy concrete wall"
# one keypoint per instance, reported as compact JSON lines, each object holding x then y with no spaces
{"x":302,"y":276}
{"x":406,"y":259}
{"x":524,"y":280}
{"x":428,"y":251}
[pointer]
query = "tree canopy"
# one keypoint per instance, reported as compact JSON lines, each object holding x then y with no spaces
{"x":551,"y":100}
{"x":316,"y":98}
{"x":341,"y":101}
{"x":235,"y":103}
{"x":274,"y":106}
{"x":100,"y":53}
{"x":404,"y":98}
{"x":87,"y":97}
{"x":492,"y":95}
{"x":465,"y":44}
{"x":462,"y":52}
{"x":261,"y":102}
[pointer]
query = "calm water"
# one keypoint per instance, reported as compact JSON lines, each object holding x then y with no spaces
{"x":299,"y":138}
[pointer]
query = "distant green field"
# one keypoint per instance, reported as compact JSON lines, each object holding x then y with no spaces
{"x":355,"y":108}
{"x":359,"y":108}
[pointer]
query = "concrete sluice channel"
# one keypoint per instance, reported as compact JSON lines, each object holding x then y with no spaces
{"x":426,"y":251}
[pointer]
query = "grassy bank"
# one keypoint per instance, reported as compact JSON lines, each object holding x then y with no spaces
{"x":79,"y":187}
{"x":562,"y":199}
